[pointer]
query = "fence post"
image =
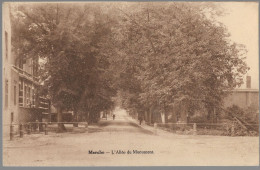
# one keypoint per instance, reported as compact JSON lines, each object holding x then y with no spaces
{"x":11,"y":131}
{"x":21,"y":130}
{"x":233,"y":130}
{"x":194,"y":129}
{"x":29,"y":129}
{"x":86,"y":126}
{"x":32,"y":127}
{"x":155,"y":128}
{"x":38,"y":126}
{"x":46,"y":128}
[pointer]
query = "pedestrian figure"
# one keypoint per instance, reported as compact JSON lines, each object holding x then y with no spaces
{"x":37,"y":127}
{"x":140,"y":119}
{"x":114,"y":116}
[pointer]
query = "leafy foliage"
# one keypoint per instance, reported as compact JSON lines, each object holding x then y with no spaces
{"x":72,"y":40}
{"x":178,"y":54}
{"x":152,"y":54}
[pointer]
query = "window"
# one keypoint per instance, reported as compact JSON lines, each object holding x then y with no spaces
{"x":6,"y":44}
{"x":21,"y":93}
{"x":29,"y":97}
{"x":15,"y":95}
{"x":6,"y":93}
{"x":33,"y":98}
{"x":12,"y":117}
{"x":25,"y":92}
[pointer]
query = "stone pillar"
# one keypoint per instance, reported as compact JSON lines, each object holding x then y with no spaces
{"x":194,"y":129}
{"x":11,"y":132}
{"x":21,"y":130}
{"x":155,"y":128}
{"x":46,"y":128}
{"x":233,"y":130}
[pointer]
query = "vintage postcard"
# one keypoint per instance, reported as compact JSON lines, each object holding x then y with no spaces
{"x":130,"y":83}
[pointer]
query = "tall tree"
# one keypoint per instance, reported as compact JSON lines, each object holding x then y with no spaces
{"x":155,"y":54}
{"x":70,"y":39}
{"x":188,"y":57}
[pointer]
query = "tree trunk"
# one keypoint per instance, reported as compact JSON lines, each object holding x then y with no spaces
{"x":183,"y":113}
{"x":165,"y":120}
{"x":88,"y":117}
{"x":146,"y":116}
{"x":165,"y":113}
{"x":61,"y":127}
{"x":150,"y":116}
{"x":210,"y":115}
{"x":75,"y":118}
{"x":166,"y":117}
{"x":174,"y":115}
{"x":162,"y":117}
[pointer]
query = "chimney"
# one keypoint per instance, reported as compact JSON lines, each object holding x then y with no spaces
{"x":248,"y":82}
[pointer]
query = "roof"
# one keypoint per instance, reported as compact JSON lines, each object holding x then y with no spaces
{"x":26,"y":75}
{"x":245,"y":90}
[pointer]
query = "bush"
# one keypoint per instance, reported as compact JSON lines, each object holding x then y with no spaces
{"x":248,"y":115}
{"x":199,"y":119}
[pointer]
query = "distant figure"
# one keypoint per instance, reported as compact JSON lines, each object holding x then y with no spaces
{"x":37,"y":127}
{"x":114,"y":116}
{"x":140,"y":119}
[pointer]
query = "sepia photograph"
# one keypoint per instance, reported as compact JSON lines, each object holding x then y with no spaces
{"x":122,"y":83}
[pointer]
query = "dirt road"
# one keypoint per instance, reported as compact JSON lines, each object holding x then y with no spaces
{"x":122,"y":142}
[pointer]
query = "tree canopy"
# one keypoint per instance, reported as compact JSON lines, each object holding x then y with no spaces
{"x":178,"y":54}
{"x":150,"y":53}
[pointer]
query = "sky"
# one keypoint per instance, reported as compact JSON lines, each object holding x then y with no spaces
{"x":242,"y":22}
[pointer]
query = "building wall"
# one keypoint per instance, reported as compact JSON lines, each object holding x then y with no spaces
{"x":9,"y":83}
{"x":14,"y":74}
{"x":242,"y":98}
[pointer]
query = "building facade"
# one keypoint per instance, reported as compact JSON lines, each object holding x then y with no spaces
{"x":9,"y":83}
{"x":20,"y":83}
{"x":243,"y":98}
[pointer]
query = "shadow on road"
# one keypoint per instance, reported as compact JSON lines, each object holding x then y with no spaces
{"x":121,"y":126}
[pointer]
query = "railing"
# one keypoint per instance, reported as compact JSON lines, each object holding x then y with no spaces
{"x":38,"y":127}
{"x":226,"y":129}
{"x":43,"y":103}
{"x":28,"y":75}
